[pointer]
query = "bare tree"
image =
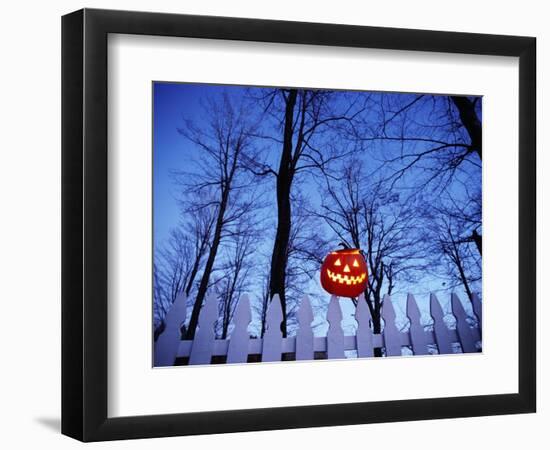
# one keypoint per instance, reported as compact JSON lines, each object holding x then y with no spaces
{"x":221,"y":144}
{"x":367,"y":215}
{"x":469,"y":116}
{"x":160,"y":303}
{"x":432,"y":145}
{"x":435,"y":135}
{"x":461,"y":253}
{"x":305,"y":118}
{"x":467,"y":212}
{"x":199,"y":228}
{"x":381,"y":162}
{"x":175,"y":260}
{"x":179,"y":260}
{"x":238,"y":265}
{"x":260,"y":303}
{"x":170,"y":271}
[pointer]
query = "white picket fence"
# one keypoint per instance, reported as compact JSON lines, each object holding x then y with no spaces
{"x":272,"y":346}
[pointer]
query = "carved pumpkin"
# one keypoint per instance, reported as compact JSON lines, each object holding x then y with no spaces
{"x":344,"y":273}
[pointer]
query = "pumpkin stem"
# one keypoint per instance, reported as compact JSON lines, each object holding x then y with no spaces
{"x":344,"y":245}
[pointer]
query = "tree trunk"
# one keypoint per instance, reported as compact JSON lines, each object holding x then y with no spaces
{"x":375,"y":313}
{"x":285,"y":175}
{"x":225,"y":325}
{"x":470,"y":121}
{"x":229,"y":300}
{"x":461,"y":272}
{"x":203,"y":286}
{"x":476,"y":237}
{"x":193,"y":274}
{"x":377,"y":323}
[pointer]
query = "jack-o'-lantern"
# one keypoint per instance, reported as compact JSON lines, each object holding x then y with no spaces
{"x":344,"y":273}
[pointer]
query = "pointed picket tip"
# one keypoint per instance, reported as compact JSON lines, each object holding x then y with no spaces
{"x":335,"y":334}
{"x":392,"y":336}
{"x":210,"y":305}
{"x":181,"y":298}
{"x":465,"y":333}
{"x":363,"y":335}
{"x":436,"y":309}
{"x":417,"y":334}
{"x":442,"y":334}
{"x":242,"y":311}
{"x":203,"y":343}
{"x":388,"y":311}
{"x":334,"y":312}
{"x":478,"y":311}
{"x":305,"y":313}
{"x":273,"y":337}
{"x":274,"y":309}
{"x":167,"y":344}
{"x":177,"y":312}
{"x":274,"y":315}
{"x":304,"y":335}
{"x":413,"y":312}
{"x":237,"y":351}
{"x":476,"y":303}
{"x":362,"y":311}
{"x":458,"y":307}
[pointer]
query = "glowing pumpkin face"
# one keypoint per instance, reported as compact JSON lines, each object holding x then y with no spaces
{"x":344,"y":273}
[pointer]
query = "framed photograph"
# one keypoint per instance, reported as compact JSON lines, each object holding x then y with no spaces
{"x":273,"y":224}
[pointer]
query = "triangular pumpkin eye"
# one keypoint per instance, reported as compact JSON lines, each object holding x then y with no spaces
{"x":355,"y":263}
{"x":338,"y":262}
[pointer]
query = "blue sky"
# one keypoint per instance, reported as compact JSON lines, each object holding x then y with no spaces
{"x":172,"y":103}
{"x":176,"y":102}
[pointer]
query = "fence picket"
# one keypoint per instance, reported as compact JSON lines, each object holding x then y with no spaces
{"x":363,"y":334}
{"x":201,"y":351}
{"x":477,"y":308}
{"x":304,"y":337}
{"x":273,"y":337}
{"x":237,"y":351}
{"x":419,"y":340}
{"x":239,"y":346}
{"x":392,"y":336}
{"x":335,"y":335}
{"x":166,"y":347}
{"x":442,"y":335}
{"x":465,"y":333}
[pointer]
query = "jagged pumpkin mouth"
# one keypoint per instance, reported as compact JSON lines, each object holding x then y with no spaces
{"x":346,"y":279}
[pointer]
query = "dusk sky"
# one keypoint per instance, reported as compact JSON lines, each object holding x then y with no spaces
{"x":174,"y":103}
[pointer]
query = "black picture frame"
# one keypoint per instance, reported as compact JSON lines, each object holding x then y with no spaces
{"x":84,"y":224}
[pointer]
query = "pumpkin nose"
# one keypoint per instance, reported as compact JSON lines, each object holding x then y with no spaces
{"x":346,"y":269}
